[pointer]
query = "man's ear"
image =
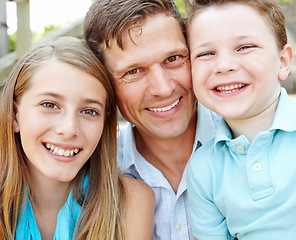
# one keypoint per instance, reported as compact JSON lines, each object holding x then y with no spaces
{"x":16,"y":126}
{"x":286,"y":59}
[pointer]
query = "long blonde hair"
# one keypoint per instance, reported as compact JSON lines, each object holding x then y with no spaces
{"x":103,"y":201}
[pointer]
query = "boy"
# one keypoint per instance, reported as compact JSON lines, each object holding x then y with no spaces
{"x":242,"y":183}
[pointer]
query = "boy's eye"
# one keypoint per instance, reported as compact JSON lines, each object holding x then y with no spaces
{"x":246,"y":47}
{"x":205,"y":54}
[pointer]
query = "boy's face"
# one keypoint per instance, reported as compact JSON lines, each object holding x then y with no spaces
{"x":236,"y":64}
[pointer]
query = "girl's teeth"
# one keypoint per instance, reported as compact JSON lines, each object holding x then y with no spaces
{"x":61,"y":151}
{"x":56,"y":151}
{"x":67,"y":153}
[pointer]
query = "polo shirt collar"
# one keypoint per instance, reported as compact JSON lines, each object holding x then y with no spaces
{"x":284,"y":119}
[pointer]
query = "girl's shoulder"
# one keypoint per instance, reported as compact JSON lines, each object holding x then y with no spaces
{"x":140,"y":204}
{"x":137,"y":189}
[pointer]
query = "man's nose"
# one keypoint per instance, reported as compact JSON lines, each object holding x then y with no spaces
{"x":160,"y":81}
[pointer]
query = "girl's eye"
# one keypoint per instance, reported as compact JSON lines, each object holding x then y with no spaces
{"x":49,"y":105}
{"x":90,"y":112}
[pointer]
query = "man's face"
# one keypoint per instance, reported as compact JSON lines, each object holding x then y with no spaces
{"x":152,"y":77}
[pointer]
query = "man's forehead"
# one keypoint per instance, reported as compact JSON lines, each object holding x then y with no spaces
{"x":134,"y":31}
{"x":152,"y":40}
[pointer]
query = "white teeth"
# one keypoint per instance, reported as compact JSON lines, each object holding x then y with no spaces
{"x":164,"y":108}
{"x":56,"y":151}
{"x":67,"y":153}
{"x":230,"y":88}
{"x":61,"y":151}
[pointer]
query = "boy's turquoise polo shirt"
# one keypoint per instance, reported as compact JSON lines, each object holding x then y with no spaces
{"x":243,"y":190}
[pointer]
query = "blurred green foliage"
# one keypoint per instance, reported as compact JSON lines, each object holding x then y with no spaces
{"x":35,"y":36}
{"x":180,"y":5}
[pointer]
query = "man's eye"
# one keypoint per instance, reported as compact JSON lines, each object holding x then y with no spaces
{"x":133,"y":71}
{"x":173,"y":58}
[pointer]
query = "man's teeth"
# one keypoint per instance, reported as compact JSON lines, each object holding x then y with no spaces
{"x":165,"y":108}
{"x":61,"y":151}
{"x":230,"y":88}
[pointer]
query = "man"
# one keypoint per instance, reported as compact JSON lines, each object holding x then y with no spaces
{"x":143,"y":46}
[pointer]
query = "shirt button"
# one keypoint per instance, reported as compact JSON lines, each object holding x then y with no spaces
{"x":240,"y":148}
{"x":178,"y":227}
{"x":257,"y":167}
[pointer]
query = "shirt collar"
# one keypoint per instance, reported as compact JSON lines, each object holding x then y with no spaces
{"x":285,"y":116}
{"x":129,"y":156}
{"x":284,"y":119}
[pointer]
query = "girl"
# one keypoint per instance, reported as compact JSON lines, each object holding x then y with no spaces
{"x":58,"y":172}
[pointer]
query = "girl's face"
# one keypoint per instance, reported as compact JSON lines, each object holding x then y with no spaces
{"x":60,"y":119}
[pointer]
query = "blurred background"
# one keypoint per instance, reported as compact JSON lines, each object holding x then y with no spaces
{"x":26,"y":22}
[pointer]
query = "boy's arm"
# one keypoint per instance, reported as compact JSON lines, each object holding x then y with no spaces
{"x":207,"y":221}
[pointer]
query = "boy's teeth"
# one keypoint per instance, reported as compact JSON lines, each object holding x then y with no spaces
{"x":230,"y":88}
{"x":164,"y":108}
{"x":61,"y":151}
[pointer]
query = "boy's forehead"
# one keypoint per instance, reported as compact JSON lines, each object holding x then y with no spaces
{"x":229,"y":23}
{"x":236,"y":14}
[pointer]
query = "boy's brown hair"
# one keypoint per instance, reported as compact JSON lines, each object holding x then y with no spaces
{"x":269,"y":9}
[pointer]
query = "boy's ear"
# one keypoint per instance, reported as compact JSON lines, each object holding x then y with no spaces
{"x":286,"y":60}
{"x":16,"y":126}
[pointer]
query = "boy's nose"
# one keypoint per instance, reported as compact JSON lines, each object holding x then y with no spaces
{"x":226,"y":63}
